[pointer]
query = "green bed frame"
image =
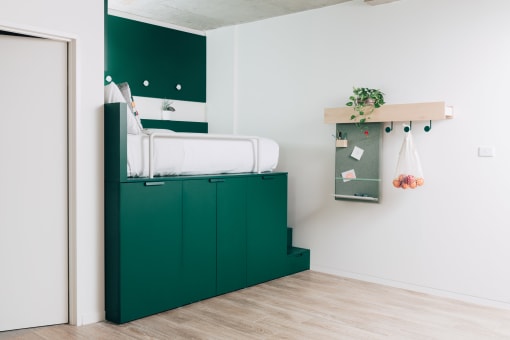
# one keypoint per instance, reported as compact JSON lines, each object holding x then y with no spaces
{"x":170,"y":241}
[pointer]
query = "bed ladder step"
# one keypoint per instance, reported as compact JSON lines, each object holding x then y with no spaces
{"x":298,"y":259}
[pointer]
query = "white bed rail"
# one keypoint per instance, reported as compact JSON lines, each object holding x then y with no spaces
{"x":255,"y":142}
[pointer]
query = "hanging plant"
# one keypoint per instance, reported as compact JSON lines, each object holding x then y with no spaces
{"x":166,"y":105}
{"x":364,"y":101}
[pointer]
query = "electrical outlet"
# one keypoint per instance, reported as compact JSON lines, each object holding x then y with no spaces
{"x":485,"y":151}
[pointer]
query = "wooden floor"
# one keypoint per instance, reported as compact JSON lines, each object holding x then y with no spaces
{"x":308,"y":305}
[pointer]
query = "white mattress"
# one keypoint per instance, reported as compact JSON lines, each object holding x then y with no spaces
{"x":198,"y":156}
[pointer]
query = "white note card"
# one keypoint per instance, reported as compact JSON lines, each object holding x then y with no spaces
{"x":357,"y":152}
{"x":348,"y":175}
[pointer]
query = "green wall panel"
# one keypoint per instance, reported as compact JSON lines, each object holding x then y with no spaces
{"x":137,"y":51}
{"x":176,"y":125}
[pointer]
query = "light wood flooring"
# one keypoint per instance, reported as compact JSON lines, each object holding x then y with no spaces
{"x":307,"y":305}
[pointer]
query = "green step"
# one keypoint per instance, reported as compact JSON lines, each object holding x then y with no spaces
{"x":298,"y":260}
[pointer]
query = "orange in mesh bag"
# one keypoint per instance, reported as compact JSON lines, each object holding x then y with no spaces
{"x":408,"y":173}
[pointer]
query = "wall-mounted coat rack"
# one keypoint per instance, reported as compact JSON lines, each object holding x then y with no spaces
{"x":357,"y":178}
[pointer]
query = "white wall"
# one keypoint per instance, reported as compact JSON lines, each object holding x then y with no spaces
{"x":222,"y":80}
{"x":82,"y":21}
{"x":449,"y":237}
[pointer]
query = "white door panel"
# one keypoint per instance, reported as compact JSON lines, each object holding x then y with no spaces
{"x":33,"y":189}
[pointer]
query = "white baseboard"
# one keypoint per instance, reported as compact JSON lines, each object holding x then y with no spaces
{"x":87,"y":319}
{"x":415,"y":288}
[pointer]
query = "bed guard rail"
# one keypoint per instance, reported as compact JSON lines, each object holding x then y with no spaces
{"x":255,"y":142}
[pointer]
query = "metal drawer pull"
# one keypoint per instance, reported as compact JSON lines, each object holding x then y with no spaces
{"x":216,"y":180}
{"x":153,"y":184}
{"x":268,"y":177}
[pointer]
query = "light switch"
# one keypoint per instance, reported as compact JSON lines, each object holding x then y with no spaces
{"x":485,"y":151}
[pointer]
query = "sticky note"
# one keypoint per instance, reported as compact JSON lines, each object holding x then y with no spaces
{"x":348,"y":175}
{"x":357,"y":152}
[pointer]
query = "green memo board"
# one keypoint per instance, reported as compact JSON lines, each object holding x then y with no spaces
{"x":365,"y":187}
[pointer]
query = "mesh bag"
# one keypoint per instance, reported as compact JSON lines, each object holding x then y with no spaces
{"x":409,"y":173}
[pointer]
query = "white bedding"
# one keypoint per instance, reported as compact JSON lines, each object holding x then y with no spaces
{"x":198,"y":156}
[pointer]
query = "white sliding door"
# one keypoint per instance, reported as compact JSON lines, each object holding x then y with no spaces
{"x":33,"y":177}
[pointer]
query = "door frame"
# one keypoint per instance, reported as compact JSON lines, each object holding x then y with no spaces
{"x":73,"y":99}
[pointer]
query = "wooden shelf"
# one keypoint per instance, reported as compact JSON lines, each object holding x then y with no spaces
{"x":393,"y":113}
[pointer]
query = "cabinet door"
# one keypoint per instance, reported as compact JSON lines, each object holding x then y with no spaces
{"x":266,"y":227}
{"x":199,"y":240}
{"x":150,"y":248}
{"x":231,"y":234}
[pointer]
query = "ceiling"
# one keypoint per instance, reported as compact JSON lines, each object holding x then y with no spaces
{"x":203,"y":15}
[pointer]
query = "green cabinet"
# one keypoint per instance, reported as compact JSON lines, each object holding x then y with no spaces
{"x":214,"y":237}
{"x":143,"y":249}
{"x":174,"y":241}
{"x":266,"y":227}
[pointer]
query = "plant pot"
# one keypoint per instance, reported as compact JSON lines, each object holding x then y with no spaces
{"x":369,"y":102}
{"x":166,"y":115}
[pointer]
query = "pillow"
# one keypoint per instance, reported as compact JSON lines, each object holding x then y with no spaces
{"x":126,"y":93}
{"x":112,"y":94}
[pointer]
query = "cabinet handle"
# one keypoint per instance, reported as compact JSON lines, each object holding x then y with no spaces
{"x":216,"y":180}
{"x":153,"y":184}
{"x":265,"y":178}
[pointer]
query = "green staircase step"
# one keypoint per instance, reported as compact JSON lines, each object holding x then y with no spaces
{"x":298,"y":259}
